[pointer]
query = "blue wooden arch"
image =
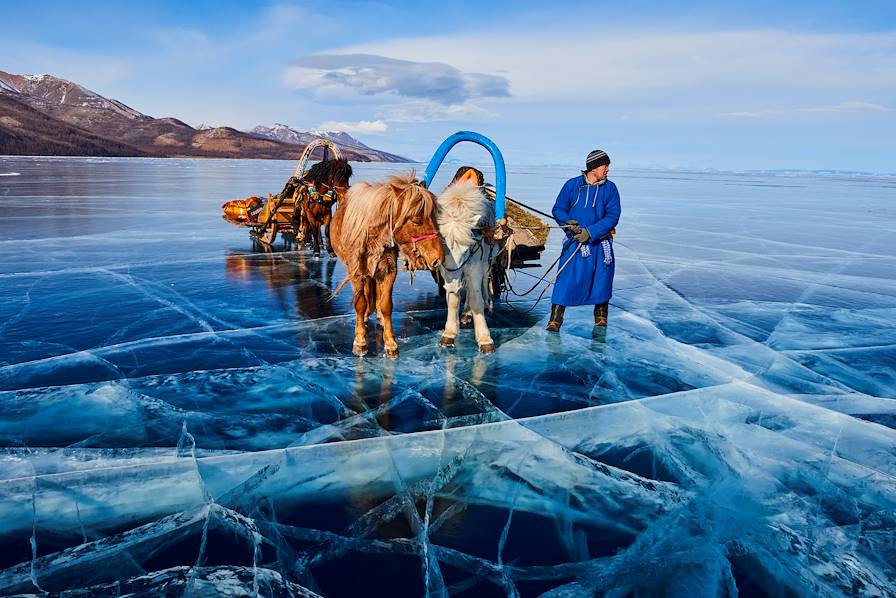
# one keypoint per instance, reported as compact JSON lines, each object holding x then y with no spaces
{"x":500,"y":171}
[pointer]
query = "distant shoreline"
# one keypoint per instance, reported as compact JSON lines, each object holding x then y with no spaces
{"x":69,"y":157}
{"x":488,"y":165}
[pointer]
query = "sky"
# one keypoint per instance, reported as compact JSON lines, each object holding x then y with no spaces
{"x":696,"y":85}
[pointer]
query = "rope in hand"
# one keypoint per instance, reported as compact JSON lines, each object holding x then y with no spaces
{"x":490,"y":191}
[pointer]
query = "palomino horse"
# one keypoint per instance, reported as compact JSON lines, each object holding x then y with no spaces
{"x":325,"y":183}
{"x":369,"y":227}
{"x":464,"y":216}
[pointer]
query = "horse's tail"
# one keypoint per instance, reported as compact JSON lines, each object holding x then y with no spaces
{"x":339,"y":287}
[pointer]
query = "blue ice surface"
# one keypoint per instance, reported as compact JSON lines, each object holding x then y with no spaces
{"x":181,"y":411}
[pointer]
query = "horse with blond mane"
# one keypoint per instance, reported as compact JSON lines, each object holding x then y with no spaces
{"x":371,"y":225}
{"x":465,"y":214}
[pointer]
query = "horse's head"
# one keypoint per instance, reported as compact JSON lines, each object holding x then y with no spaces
{"x":415,"y":227}
{"x":332,"y":173}
{"x":329,"y":175}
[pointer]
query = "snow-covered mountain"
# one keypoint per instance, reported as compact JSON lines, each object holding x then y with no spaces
{"x":7,"y":86}
{"x":59,"y":92}
{"x":285,"y":133}
{"x":343,"y":140}
{"x":339,"y":137}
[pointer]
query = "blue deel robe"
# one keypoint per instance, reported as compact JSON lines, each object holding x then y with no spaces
{"x":586,"y":280}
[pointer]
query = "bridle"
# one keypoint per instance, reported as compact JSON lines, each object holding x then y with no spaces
{"x":422,"y":238}
{"x":417,"y":254}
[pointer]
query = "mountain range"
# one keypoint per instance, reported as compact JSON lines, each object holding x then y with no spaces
{"x":46,"y":115}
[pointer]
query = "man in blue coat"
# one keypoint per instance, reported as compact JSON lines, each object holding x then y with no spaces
{"x":589,"y":206}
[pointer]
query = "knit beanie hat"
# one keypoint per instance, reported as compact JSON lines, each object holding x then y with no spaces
{"x":595,"y":159}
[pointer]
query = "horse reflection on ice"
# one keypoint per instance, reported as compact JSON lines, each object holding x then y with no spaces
{"x":288,"y":276}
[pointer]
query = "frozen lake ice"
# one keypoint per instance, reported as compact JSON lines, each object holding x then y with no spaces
{"x":181,"y":413}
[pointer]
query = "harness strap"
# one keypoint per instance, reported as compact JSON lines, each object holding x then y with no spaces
{"x":470,"y":251}
{"x":424,"y":237}
{"x":326,"y":199}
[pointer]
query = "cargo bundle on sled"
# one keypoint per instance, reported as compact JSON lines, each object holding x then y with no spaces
{"x":529,"y":234}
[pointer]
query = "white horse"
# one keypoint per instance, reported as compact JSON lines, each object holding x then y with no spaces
{"x":464,"y":213}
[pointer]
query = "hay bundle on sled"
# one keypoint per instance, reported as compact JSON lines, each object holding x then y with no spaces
{"x":529,"y":235}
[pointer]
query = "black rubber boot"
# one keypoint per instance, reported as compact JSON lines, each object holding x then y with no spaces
{"x":600,"y":314}
{"x":556,"y":318}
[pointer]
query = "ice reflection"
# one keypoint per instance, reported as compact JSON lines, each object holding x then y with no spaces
{"x":293,"y":278}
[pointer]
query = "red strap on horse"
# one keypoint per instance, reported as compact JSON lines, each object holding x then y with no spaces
{"x":424,"y":238}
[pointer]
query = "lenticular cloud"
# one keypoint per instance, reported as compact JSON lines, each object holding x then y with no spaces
{"x":369,"y":74}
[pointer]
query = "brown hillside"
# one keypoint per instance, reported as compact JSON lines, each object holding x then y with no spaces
{"x":26,"y":131}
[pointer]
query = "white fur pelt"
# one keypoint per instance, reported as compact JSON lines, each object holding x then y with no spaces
{"x":462,"y":207}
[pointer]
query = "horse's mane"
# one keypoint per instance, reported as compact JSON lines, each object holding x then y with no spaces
{"x":334,"y":173}
{"x":463,"y":207}
{"x":374,"y":211}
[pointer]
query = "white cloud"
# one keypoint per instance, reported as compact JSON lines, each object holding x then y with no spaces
{"x":851,"y":106}
{"x":438,"y":91}
{"x":424,"y":111}
{"x":372,"y":75}
{"x":364,"y":127}
{"x":646,"y":65}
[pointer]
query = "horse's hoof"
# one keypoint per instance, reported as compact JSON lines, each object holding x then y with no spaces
{"x":391,"y":353}
{"x":487,"y":348}
{"x":446,"y":341}
{"x":316,"y":254}
{"x":359,"y":350}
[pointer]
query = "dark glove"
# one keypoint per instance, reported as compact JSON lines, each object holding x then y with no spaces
{"x":572,"y":228}
{"x":582,"y":235}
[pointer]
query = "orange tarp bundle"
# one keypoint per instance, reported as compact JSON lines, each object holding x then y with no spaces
{"x":237,"y":210}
